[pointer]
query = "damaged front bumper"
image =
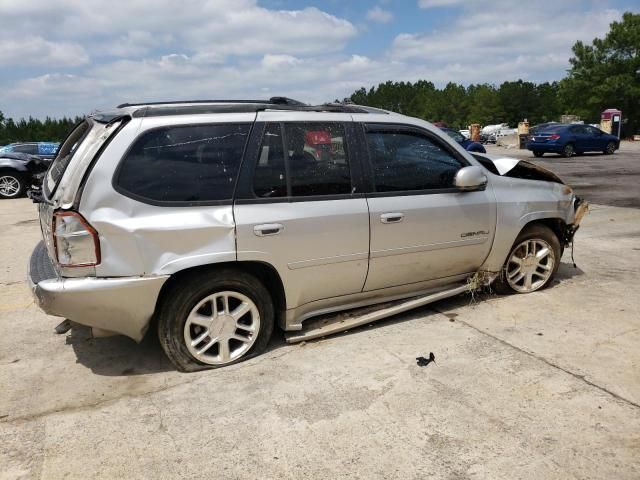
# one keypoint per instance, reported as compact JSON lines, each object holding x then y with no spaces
{"x":581,"y":207}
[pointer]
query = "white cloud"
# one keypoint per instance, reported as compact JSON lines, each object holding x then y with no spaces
{"x":438,"y":3}
{"x":34,"y":50}
{"x":379,"y":15}
{"x":205,"y":27}
{"x":77,"y":55}
{"x":495,"y":39}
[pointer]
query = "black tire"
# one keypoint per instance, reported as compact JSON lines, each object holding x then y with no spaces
{"x":11,"y":177}
{"x":181,"y":297}
{"x":538,"y":153}
{"x":531,"y":232}
{"x":568,"y":151}
{"x":610,"y":148}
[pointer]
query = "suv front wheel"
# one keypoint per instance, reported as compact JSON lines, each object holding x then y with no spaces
{"x":215,"y":319}
{"x":532,"y":262}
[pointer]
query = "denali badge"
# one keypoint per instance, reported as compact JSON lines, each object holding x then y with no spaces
{"x":473,"y":234}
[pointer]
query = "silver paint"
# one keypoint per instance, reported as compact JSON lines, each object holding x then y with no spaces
{"x":330,"y":255}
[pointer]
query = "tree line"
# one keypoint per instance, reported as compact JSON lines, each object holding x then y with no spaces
{"x":459,"y":106}
{"x":35,"y":130}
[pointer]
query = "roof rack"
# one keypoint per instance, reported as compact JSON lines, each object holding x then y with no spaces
{"x":171,"y":109}
{"x":271,"y":101}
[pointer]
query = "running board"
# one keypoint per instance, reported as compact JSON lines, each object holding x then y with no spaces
{"x":329,"y":325}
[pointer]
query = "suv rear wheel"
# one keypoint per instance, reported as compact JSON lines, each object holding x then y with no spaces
{"x":532,"y":262}
{"x":215,"y":319}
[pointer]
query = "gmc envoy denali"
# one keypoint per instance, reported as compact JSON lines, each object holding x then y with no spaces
{"x":213,"y":221}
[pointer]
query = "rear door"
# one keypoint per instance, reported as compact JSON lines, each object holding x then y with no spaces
{"x":422,"y":228}
{"x":300,"y":205}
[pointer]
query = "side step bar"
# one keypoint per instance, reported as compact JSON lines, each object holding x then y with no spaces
{"x":347,"y":321}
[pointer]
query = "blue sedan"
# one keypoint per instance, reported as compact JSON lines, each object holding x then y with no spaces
{"x":569,"y":140}
{"x":467,"y":144}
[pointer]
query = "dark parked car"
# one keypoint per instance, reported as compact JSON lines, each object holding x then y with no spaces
{"x":42,"y":149}
{"x":19,"y":171}
{"x":467,"y":144}
{"x":569,"y":140}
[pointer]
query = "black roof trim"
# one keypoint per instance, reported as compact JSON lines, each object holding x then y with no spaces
{"x":149,"y":110}
{"x":272,"y":100}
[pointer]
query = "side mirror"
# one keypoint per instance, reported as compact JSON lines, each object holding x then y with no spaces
{"x":469,"y":179}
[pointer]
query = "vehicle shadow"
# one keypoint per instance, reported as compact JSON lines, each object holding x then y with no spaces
{"x":118,"y":355}
{"x":121,"y":356}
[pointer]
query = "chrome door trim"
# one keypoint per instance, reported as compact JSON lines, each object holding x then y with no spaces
{"x":428,"y":247}
{"x":328,"y":260}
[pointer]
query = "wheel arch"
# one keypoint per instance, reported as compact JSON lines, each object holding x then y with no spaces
{"x":556,"y":225}
{"x":264,"y":272}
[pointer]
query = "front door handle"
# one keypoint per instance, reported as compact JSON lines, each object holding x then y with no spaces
{"x":391,"y":217}
{"x":268,"y":229}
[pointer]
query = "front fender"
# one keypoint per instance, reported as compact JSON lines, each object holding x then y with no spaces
{"x":520,"y":202}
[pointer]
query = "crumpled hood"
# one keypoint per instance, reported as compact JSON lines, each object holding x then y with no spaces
{"x":516,"y":168}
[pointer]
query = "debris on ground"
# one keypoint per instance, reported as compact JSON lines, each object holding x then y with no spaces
{"x":63,"y":327}
{"x":423,"y":362}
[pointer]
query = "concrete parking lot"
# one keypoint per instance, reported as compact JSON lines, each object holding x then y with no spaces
{"x":543,"y":386}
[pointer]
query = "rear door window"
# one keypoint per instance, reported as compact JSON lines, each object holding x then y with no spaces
{"x":269,"y":179}
{"x":195,"y":163}
{"x":318,"y":161}
{"x":306,"y":160}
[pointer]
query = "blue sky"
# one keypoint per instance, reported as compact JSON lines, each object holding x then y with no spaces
{"x":68,"y":57}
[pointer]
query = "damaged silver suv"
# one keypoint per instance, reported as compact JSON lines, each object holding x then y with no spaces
{"x":213,"y":221}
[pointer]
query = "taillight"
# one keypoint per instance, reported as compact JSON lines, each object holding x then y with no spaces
{"x":554,"y":137}
{"x":76,"y":242}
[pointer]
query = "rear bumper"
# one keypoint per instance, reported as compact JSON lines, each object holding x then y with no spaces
{"x":544,"y":147}
{"x":121,"y":305}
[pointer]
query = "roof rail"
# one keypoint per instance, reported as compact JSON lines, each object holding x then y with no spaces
{"x":271,"y":101}
{"x":160,"y":110}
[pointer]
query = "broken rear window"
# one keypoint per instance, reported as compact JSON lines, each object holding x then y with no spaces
{"x":196,"y":163}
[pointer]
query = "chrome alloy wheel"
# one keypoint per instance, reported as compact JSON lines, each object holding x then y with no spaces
{"x":530,"y":265}
{"x":222,"y":327}
{"x":9,"y":186}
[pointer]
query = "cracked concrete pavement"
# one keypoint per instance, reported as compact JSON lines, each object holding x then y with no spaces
{"x":545,"y":386}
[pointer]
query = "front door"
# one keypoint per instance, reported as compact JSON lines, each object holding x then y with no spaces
{"x":300,"y":208}
{"x":421,"y":227}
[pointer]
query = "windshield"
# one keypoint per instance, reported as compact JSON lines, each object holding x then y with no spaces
{"x":65,"y":153}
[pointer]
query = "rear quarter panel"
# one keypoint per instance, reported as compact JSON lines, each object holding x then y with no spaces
{"x":141,"y":239}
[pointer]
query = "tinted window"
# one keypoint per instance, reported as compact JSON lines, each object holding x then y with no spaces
{"x":407,"y":161}
{"x":270,"y":178}
{"x":185,"y":163}
{"x":318,"y":163}
{"x":64,"y":155}
{"x":30,"y":149}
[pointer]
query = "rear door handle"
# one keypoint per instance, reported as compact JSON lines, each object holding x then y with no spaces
{"x":391,"y":217}
{"x":268,"y":229}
